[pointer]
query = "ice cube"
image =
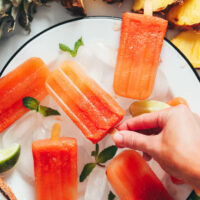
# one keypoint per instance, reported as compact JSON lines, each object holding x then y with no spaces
{"x":62,"y":57}
{"x":96,"y":184}
{"x":161,"y":89}
{"x":108,"y":190}
{"x":25,"y":165}
{"x":105,"y":53}
{"x":85,"y":56}
{"x":83,"y":158}
{"x":107,"y":79}
{"x":21,"y":130}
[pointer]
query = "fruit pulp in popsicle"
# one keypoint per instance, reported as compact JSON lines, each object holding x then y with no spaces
{"x":91,"y":108}
{"x":28,"y":79}
{"x":138,"y":55}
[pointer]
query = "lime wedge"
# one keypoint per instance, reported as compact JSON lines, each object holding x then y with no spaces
{"x":9,"y":157}
{"x":146,"y":106}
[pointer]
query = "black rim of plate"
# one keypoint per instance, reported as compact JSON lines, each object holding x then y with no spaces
{"x":90,"y":17}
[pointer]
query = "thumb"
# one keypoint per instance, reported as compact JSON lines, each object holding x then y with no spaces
{"x":136,"y":141}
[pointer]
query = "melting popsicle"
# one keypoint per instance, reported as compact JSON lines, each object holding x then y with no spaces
{"x":28,"y":79}
{"x":55,"y":166}
{"x":138,"y":55}
{"x":92,"y":109}
{"x":132,"y":178}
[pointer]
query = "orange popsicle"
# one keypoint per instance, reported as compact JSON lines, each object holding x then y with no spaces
{"x":28,"y":79}
{"x":92,"y":109}
{"x":138,"y":55}
{"x":132,"y":178}
{"x":55,"y":166}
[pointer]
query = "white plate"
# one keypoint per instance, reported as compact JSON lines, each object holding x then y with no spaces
{"x":174,"y":67}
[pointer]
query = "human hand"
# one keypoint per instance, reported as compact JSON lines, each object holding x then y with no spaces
{"x":176,"y":146}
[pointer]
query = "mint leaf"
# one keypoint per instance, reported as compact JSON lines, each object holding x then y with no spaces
{"x":96,"y":152}
{"x":107,"y":154}
{"x":31,"y":103}
{"x":74,"y":51}
{"x":97,"y":149}
{"x":77,"y":44}
{"x":193,"y":196}
{"x":46,"y":111}
{"x":111,"y":196}
{"x":63,"y":47}
{"x":93,"y":153}
{"x":104,"y":156}
{"x":86,"y":171}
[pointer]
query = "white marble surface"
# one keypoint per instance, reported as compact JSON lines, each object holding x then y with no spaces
{"x":51,"y":15}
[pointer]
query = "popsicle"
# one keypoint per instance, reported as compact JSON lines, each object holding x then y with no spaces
{"x":28,"y":79}
{"x":55,"y":167}
{"x":138,"y":55}
{"x":132,"y":178}
{"x":177,"y":101}
{"x":92,"y":109}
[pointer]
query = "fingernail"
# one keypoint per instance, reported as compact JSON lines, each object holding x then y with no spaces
{"x":118,"y":138}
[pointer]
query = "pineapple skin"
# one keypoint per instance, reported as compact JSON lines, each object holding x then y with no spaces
{"x":189,"y":43}
{"x":24,"y":10}
{"x":158,"y":5}
{"x":185,"y":16}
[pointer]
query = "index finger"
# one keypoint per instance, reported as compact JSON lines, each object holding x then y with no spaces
{"x":143,"y":122}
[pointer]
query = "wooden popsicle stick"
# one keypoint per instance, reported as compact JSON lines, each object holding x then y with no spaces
{"x":5,"y":191}
{"x":55,"y":133}
{"x":148,"y":8}
{"x":112,"y":131}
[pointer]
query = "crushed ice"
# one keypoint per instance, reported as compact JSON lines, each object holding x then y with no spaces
{"x":98,"y":60}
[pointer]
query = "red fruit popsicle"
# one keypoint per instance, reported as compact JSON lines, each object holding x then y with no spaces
{"x":55,"y":166}
{"x":132,"y":178}
{"x":92,"y":109}
{"x":138,"y":55}
{"x":28,"y":79}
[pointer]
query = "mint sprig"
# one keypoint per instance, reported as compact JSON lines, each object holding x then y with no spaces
{"x":87,"y":170}
{"x":96,"y":152}
{"x":46,"y":111}
{"x":107,"y":154}
{"x":111,"y":196}
{"x":100,"y":158}
{"x":33,"y":104}
{"x":74,"y":51}
{"x":193,"y":196}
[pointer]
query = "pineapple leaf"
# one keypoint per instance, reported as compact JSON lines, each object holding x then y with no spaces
{"x":23,"y":10}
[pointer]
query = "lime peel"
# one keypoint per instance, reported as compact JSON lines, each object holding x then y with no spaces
{"x":146,"y":106}
{"x":9,"y":157}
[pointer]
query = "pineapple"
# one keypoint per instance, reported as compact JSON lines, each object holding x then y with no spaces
{"x":113,"y":1}
{"x":8,"y":13}
{"x":189,"y":43}
{"x":76,"y":6}
{"x":186,"y":16}
{"x":158,"y":5}
{"x":23,"y":10}
{"x":11,"y":10}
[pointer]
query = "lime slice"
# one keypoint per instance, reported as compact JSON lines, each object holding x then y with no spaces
{"x":146,"y":106}
{"x":9,"y":157}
